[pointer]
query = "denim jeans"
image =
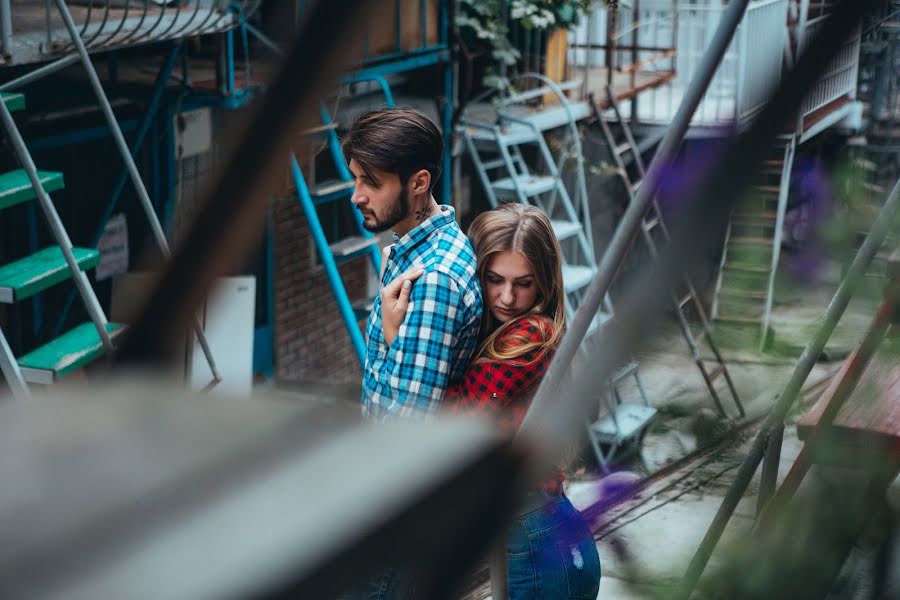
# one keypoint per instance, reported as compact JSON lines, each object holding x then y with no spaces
{"x":551,"y":555}
{"x":389,"y":584}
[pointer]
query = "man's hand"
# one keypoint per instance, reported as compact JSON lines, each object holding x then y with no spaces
{"x":395,"y":301}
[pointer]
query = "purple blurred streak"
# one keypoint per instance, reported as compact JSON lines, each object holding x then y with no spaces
{"x":812,"y":190}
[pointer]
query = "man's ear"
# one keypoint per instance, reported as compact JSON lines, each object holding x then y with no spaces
{"x":420,"y":182}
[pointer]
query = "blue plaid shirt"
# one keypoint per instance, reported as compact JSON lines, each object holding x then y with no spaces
{"x":438,"y":335}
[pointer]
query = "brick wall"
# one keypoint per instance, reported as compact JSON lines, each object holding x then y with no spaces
{"x":311,"y":342}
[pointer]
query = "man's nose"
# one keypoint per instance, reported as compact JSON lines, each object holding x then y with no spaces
{"x":357,"y":198}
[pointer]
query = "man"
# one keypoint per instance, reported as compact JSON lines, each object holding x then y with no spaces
{"x":395,"y":156}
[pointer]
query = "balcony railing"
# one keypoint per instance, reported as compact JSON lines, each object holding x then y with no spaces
{"x":34,"y":31}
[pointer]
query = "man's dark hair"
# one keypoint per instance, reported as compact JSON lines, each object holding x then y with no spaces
{"x":395,"y":140}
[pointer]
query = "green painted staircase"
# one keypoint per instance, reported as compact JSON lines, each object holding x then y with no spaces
{"x":27,"y":276}
{"x":745,"y":287}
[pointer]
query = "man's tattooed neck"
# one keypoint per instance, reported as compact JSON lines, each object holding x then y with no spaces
{"x":424,"y":213}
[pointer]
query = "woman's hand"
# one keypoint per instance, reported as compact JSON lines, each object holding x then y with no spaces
{"x":395,"y":301}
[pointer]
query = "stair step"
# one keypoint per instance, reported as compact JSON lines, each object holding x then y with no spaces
{"x":755,"y":217}
{"x":28,"y":276}
{"x":13,"y":101}
{"x":319,"y":130}
{"x":565,"y":229}
{"x":72,"y":350}
{"x":747,"y":267}
{"x":742,"y":294}
{"x":621,"y":149}
{"x":15,"y":187}
{"x":362,"y":308}
{"x":531,"y":185}
{"x":625,"y":372}
{"x":330,"y":190}
{"x":576,"y":277}
{"x":768,"y":189}
{"x":631,"y":420}
{"x":740,"y":321}
{"x":750,"y":241}
{"x":351,"y":247}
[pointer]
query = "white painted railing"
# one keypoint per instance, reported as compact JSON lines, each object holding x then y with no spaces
{"x":749,"y":71}
{"x":840,"y":77}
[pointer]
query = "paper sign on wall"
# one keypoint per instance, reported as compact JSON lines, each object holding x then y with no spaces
{"x":113,"y":247}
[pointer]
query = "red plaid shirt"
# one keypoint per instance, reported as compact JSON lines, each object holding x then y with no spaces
{"x":503,"y":389}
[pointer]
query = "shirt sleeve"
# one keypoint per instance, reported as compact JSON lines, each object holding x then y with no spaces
{"x":417,"y":368}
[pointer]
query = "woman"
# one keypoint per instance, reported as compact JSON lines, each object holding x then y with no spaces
{"x":550,"y":551}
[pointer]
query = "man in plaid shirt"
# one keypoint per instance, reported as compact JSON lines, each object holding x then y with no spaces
{"x":395,"y":156}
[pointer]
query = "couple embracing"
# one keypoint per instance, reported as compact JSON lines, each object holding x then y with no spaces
{"x":467,"y":325}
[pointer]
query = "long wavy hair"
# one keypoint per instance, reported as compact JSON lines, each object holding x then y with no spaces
{"x":526,"y":230}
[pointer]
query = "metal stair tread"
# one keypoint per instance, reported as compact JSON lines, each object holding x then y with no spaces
{"x":565,"y":229}
{"x":330,"y":188}
{"x":319,"y":130}
{"x":351,"y":245}
{"x":576,"y":277}
{"x":511,"y":134}
{"x":766,"y":216}
{"x":750,"y":241}
{"x":531,"y":185}
{"x":13,"y":101}
{"x":29,"y":275}
{"x":72,"y":350}
{"x":630,"y":418}
{"x":551,"y":118}
{"x":747,"y":267}
{"x":362,"y":308}
{"x":743,"y":294}
{"x":15,"y":187}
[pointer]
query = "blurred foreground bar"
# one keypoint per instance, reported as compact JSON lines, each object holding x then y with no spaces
{"x":133,"y":491}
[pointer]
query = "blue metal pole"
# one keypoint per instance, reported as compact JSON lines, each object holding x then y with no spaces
{"x":325,"y":255}
{"x":158,"y":88}
{"x":447,"y":117}
{"x":337,"y":156}
{"x":229,"y":62}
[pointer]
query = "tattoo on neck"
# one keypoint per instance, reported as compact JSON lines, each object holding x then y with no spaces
{"x":424,"y":213}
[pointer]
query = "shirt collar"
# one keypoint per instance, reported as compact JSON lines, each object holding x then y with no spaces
{"x":445,"y":216}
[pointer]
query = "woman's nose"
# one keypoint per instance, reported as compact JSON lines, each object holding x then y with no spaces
{"x":506,"y":295}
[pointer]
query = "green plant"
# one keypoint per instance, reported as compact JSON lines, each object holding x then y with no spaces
{"x":484,"y":23}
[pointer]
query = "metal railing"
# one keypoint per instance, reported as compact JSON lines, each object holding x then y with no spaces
{"x":749,"y":71}
{"x":32,"y":31}
{"x":840,"y":77}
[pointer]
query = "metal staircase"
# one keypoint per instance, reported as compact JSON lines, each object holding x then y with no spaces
{"x":29,"y":275}
{"x":655,"y":233}
{"x":746,"y":282}
{"x":312,"y":194}
{"x":501,"y":151}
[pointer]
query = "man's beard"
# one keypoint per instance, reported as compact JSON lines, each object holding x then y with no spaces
{"x":395,"y":213}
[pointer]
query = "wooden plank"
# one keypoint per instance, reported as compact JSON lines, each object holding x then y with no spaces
{"x":872,"y":413}
{"x":557,"y":52}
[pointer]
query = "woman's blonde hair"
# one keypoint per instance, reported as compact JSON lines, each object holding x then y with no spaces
{"x":526,"y":230}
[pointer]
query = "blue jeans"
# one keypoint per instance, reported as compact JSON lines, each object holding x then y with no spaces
{"x":551,"y":555}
